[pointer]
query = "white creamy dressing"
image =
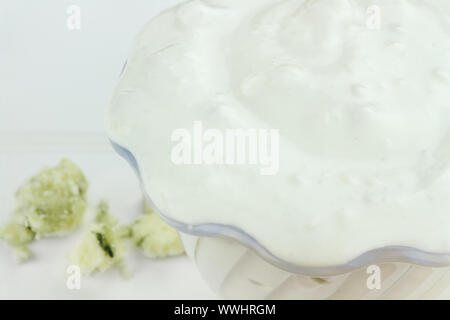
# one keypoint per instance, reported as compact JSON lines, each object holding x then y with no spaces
{"x":363,"y":114}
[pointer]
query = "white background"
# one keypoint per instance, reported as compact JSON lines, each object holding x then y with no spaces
{"x":55,"y":84}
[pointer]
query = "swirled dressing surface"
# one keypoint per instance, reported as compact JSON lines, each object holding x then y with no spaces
{"x":363,"y":113}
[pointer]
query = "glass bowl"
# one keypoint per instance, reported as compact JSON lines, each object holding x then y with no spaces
{"x":398,"y":254}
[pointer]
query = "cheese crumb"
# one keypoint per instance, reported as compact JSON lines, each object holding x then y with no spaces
{"x":154,"y":237}
{"x":101,"y":246}
{"x":52,"y":202}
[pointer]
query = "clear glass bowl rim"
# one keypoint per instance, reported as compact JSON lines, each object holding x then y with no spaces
{"x":373,"y":257}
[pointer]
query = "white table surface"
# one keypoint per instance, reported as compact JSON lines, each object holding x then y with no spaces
{"x":55,"y":85}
